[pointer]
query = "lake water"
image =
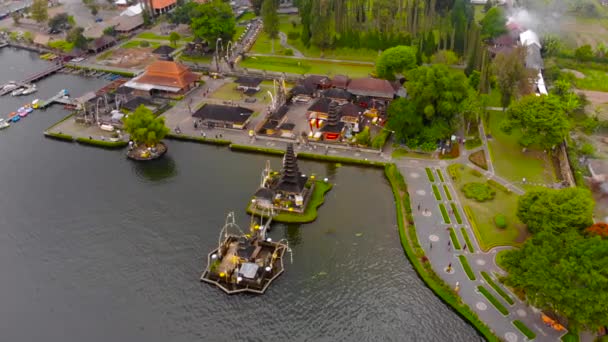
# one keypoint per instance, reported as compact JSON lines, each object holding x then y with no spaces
{"x":94,"y":247}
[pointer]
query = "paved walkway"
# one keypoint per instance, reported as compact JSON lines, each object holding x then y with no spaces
{"x":434,"y":238}
{"x":283,"y":41}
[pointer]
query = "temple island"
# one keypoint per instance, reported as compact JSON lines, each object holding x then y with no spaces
{"x":289,"y":195}
{"x":245,"y":262}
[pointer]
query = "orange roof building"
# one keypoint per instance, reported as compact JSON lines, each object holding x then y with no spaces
{"x":166,"y":77}
{"x":162,"y":6}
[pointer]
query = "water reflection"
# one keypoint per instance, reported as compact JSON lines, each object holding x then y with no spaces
{"x":293,"y":233}
{"x":331,"y":170}
{"x":156,"y":170}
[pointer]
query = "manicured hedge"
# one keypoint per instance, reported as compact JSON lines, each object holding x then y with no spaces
{"x":497,"y":304}
{"x":247,"y":148}
{"x":121,"y":73}
{"x":497,"y":288}
{"x":343,"y":160}
{"x":454,"y":238}
{"x":58,"y":122}
{"x":59,"y":136}
{"x":447,"y":192}
{"x":480,"y":192}
{"x":201,"y":140}
{"x":440,"y":175}
{"x":425,"y":272}
{"x":456,"y":213}
{"x":463,"y":230}
{"x":444,"y":213}
{"x":467,"y":267}
{"x":429,"y":174}
{"x":102,"y":143}
{"x":500,"y":220}
{"x":436,"y":192}
{"x":524,"y":329}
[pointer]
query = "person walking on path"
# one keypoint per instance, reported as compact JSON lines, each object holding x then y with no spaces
{"x":464,"y":248}
{"x":431,"y":246}
{"x":418,"y":206}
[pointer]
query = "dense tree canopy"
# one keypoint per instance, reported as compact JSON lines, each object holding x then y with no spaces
{"x":270,"y":18}
{"x":565,"y":273}
{"x":541,"y":118}
{"x":435,"y":98}
{"x":494,"y":23}
{"x":40,"y":10}
{"x":556,"y":210}
{"x":144,"y":127}
{"x":174,"y":37}
{"x":395,"y":60}
{"x":213,"y":20}
{"x":511,"y":75}
{"x":76,"y":37}
{"x":59,"y":21}
{"x":183,"y":14}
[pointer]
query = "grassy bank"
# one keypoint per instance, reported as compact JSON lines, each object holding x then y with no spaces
{"x":199,"y":140}
{"x":59,"y":136}
{"x":299,"y":66}
{"x":310,"y":214}
{"x":411,"y":247}
{"x":102,"y":143}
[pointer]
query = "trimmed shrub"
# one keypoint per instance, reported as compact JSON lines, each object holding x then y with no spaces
{"x":454,"y":171}
{"x":436,"y":192}
{"x":524,"y":329}
{"x":475,"y":173}
{"x":447,"y":192}
{"x":444,"y":213}
{"x":497,"y":288}
{"x":429,"y":173}
{"x":440,"y":175}
{"x":293,"y":35}
{"x":463,"y":230}
{"x":380,"y":139}
{"x":144,"y":43}
{"x":102,"y":143}
{"x":497,"y":304}
{"x":456,"y":213}
{"x":467,"y":267}
{"x":500,"y":220}
{"x":59,"y":136}
{"x":288,"y":52}
{"x":454,"y":238}
{"x":480,"y":192}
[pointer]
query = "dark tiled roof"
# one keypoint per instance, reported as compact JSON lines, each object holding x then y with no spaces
{"x":340,"y":81}
{"x":270,"y":124}
{"x":163,"y":50}
{"x":351,"y":109}
{"x":336,"y":93}
{"x":287,"y":126}
{"x":279,"y":113}
{"x":223,"y":113}
{"x":337,"y":128}
{"x":321,"y":105}
{"x":371,"y":87}
{"x":102,"y":42}
{"x":264,"y":193}
{"x":251,"y":82}
{"x":301,"y":89}
{"x":132,"y":104}
{"x":314,"y":81}
{"x":124,"y":90}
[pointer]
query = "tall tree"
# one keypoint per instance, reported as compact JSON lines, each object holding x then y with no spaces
{"x":395,"y":60}
{"x":59,"y":21}
{"x":174,"y":37}
{"x":257,"y":6}
{"x":271,"y":20}
{"x":493,"y":23}
{"x":556,"y":210}
{"x":541,"y":118}
{"x":321,"y":28}
{"x":76,"y":37}
{"x":183,"y":14}
{"x":511,"y":74}
{"x":39,"y":10}
{"x":144,"y":127}
{"x":564,"y":273}
{"x":404,"y":120}
{"x":214,"y":20}
{"x":305,"y":6}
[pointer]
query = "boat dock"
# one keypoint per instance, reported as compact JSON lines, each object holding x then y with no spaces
{"x":33,"y":78}
{"x":59,"y":98}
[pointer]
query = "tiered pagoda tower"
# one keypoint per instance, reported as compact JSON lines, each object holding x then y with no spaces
{"x":291,"y":181}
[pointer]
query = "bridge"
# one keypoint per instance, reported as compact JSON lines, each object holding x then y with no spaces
{"x":33,"y":78}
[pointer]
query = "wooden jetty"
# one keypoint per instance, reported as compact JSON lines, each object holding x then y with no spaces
{"x":245,"y":262}
{"x":59,"y":98}
{"x":33,"y":78}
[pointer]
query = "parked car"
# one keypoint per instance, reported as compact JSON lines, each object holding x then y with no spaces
{"x":98,"y":20}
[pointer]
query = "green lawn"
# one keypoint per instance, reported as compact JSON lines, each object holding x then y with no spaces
{"x":494,"y":98}
{"x":310,"y":214}
{"x":154,"y":36}
{"x":229,"y":92}
{"x":136,"y":43}
{"x":296,"y":66}
{"x":509,"y":160}
{"x":594,"y":80}
{"x":481,"y":214}
{"x":246,"y":16}
{"x":401,"y":152}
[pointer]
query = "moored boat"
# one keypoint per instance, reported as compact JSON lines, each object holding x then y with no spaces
{"x":17,"y":92}
{"x":35,"y":103}
{"x":15,"y":118}
{"x":29,"y":90}
{"x":11,"y":85}
{"x":3,"y":124}
{"x":12,"y":114}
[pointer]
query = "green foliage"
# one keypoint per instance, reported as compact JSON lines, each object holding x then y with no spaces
{"x":565,"y":273}
{"x":59,"y":21}
{"x":429,"y":174}
{"x":556,"y":210}
{"x":321,"y":25}
{"x":288,"y":52}
{"x":293,"y":35}
{"x":480,"y":192}
{"x":587,"y":149}
{"x":500,"y":221}
{"x":446,"y":57}
{"x":444,"y":213}
{"x":16,"y":17}
{"x":467,"y":267}
{"x":541,"y":118}
{"x":39,"y":10}
{"x":174,"y":37}
{"x":447,"y":192}
{"x":61,"y":45}
{"x":363,"y":138}
{"x":440,"y":174}
{"x":456,"y":213}
{"x":183,"y":14}
{"x":201,"y":140}
{"x":270,"y":18}
{"x":454,"y":238}
{"x":436,"y":192}
{"x":59,"y":136}
{"x":395,"y":60}
{"x":493,"y":23}
{"x":524,"y":329}
{"x":511,"y":74}
{"x":76,"y":37}
{"x":584,"y":53}
{"x":213,"y":20}
{"x":551,"y":45}
{"x":490,"y":297}
{"x":463,"y":230}
{"x":497,"y":288}
{"x":380,"y":139}
{"x":144,"y":127}
{"x":498,"y":186}
{"x":109,"y":31}
{"x":144,"y":43}
{"x":102,"y":143}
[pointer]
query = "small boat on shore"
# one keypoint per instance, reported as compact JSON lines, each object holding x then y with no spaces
{"x":4,"y":124}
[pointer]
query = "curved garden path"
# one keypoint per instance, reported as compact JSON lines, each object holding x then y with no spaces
{"x":283,"y":41}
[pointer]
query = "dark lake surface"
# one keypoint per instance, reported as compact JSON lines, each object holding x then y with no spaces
{"x":94,"y":247}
